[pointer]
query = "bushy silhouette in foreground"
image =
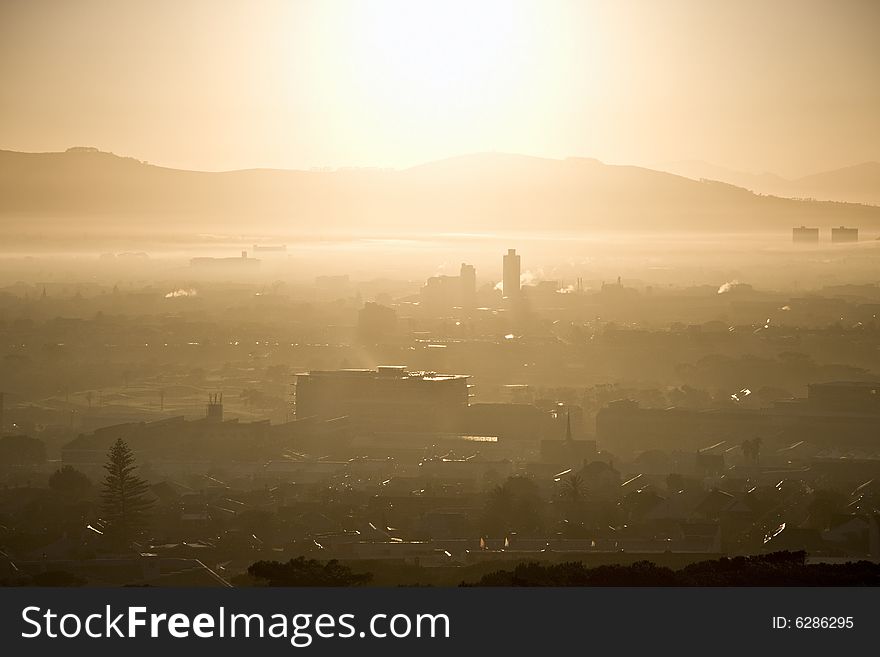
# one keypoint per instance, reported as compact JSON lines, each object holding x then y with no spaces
{"x":306,"y":572}
{"x":775,"y":569}
{"x":52,"y":578}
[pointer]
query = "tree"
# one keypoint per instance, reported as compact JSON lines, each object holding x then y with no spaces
{"x":774,"y":569}
{"x":573,"y":489}
{"x":21,"y":450}
{"x":306,"y":572}
{"x":515,"y":506}
{"x":571,"y":497}
{"x":752,"y":450}
{"x":124,"y":494}
{"x":571,"y":500}
{"x":57,"y":578}
{"x":70,"y":483}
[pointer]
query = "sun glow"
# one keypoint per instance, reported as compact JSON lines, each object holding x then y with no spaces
{"x":426,"y":54}
{"x":451,"y":73}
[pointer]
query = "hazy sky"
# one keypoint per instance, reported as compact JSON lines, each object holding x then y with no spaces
{"x":790,"y":86}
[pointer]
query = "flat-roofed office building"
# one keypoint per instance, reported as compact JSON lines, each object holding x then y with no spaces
{"x":804,"y":235}
{"x":843,"y":234}
{"x":389,"y":398}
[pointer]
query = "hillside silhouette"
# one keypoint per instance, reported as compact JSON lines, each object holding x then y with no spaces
{"x":87,"y":190}
{"x":859,"y":183}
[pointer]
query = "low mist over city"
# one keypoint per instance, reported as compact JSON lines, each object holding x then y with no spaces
{"x":439,"y":294}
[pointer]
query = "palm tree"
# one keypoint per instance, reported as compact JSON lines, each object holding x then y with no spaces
{"x":496,"y":517}
{"x":573,"y":489}
{"x":514,"y":506}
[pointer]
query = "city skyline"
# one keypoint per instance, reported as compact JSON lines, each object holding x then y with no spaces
{"x":422,"y":294}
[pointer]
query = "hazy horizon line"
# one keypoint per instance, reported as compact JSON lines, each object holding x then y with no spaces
{"x":661,"y":167}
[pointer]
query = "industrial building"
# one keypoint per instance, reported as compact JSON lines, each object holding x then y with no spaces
{"x":204,"y":262}
{"x":843,"y":415}
{"x":443,"y":293}
{"x":389,"y":398}
{"x":842,"y":234}
{"x":804,"y":235}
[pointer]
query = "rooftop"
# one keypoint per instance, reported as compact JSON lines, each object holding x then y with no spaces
{"x":384,"y":372}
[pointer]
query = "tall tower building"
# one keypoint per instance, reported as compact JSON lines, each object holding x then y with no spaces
{"x":511,"y":275}
{"x":468,"y":281}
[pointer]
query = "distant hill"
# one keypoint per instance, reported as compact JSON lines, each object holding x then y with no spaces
{"x":85,"y":189}
{"x":859,"y":183}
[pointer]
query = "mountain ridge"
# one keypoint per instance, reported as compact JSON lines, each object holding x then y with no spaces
{"x":855,"y":183}
{"x":486,"y":191}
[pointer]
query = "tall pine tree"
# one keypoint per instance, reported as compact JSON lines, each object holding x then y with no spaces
{"x":124,"y":495}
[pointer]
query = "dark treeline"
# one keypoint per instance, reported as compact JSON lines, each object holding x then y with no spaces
{"x":305,"y":572}
{"x":774,"y":569}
